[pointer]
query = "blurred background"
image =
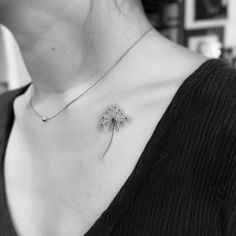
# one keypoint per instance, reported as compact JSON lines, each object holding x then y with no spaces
{"x":204,"y":26}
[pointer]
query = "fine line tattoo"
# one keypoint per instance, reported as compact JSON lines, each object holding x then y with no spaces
{"x":112,"y":119}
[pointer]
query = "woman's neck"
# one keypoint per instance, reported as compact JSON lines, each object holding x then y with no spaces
{"x":64,"y":47}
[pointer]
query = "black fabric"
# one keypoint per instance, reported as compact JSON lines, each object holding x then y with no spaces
{"x":185,"y":180}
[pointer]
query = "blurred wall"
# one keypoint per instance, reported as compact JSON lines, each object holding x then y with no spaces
{"x":230,"y":36}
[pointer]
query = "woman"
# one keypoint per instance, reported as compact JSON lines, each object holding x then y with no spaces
{"x":161,"y":161}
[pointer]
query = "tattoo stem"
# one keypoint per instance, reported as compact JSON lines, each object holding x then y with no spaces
{"x":112,"y":135}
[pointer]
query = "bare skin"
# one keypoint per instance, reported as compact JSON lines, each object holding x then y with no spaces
{"x":57,"y":182}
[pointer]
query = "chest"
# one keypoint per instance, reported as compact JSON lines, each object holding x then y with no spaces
{"x":57,"y":180}
{"x":51,"y":192}
{"x":56,"y":188}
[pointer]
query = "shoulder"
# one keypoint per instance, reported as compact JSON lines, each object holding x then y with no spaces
{"x":214,"y":84}
{"x":218,"y":72}
{"x":210,"y":114}
{"x":211,"y":89}
{"x":206,"y":110}
{"x":213,"y":78}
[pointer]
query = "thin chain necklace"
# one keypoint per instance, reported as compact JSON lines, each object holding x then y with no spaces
{"x":45,"y":118}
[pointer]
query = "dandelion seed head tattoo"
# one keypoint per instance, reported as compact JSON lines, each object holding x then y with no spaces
{"x":112,"y":120}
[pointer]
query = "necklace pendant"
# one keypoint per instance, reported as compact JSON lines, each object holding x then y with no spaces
{"x":44,"y":119}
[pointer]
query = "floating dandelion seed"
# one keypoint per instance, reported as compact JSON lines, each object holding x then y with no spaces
{"x":113,"y":119}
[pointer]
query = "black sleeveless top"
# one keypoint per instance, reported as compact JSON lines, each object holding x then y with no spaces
{"x":185,"y":180}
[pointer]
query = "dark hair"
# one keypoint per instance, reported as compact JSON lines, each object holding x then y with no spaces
{"x":152,"y":5}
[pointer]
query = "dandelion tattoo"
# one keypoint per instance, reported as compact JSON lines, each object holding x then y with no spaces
{"x":112,"y":120}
